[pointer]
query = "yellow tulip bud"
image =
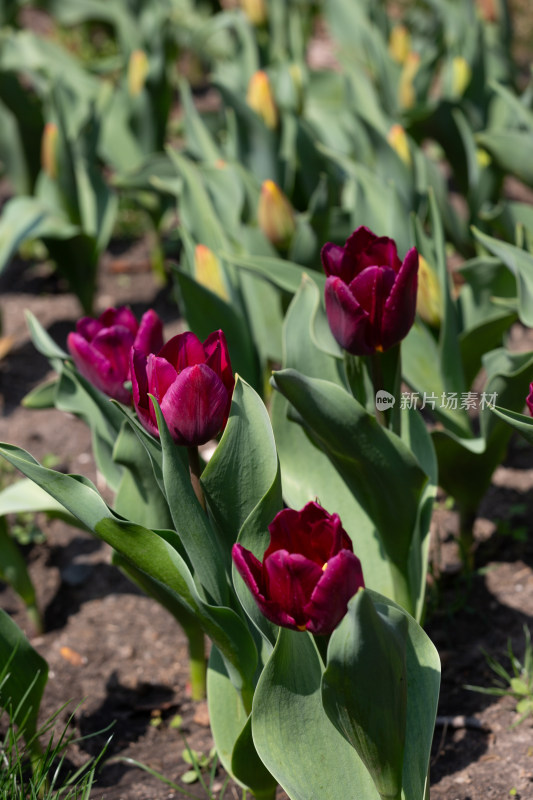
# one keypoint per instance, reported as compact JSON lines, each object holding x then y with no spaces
{"x":49,"y":149}
{"x":275,"y":215}
{"x":461,"y":75}
{"x":397,"y":138}
{"x":399,"y":43}
{"x":259,"y":97}
{"x":429,"y":297}
{"x":483,"y":158}
{"x":255,"y":10}
{"x":208,"y":271}
{"x":137,"y":72}
{"x":407,"y":94}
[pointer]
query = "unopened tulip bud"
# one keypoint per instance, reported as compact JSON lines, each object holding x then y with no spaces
{"x":259,"y":97}
{"x":399,"y":43}
{"x":137,"y":72}
{"x":483,"y":158}
{"x":275,"y":215}
{"x":208,"y":271}
{"x":429,"y":296}
{"x":49,"y":149}
{"x":397,"y":139}
{"x":461,"y":75}
{"x":370,"y":294}
{"x":407,"y":94}
{"x":255,"y":10}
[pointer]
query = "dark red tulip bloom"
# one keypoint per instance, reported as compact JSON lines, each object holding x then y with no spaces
{"x":192,"y":382}
{"x":101,"y":347}
{"x":529,"y":399}
{"x":309,"y":570}
{"x":370,"y":293}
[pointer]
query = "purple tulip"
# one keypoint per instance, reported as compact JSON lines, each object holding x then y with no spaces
{"x":192,"y":382}
{"x":101,"y":347}
{"x":309,"y":570}
{"x":370,"y":293}
{"x":529,"y":399}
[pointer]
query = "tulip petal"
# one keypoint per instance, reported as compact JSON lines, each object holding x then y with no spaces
{"x":291,"y":579}
{"x":332,"y":261}
{"x":340,"y":580}
{"x":119,"y":316}
{"x":183,"y":350}
{"x":94,"y":364}
{"x":115,"y":344}
{"x":217,"y":357}
{"x":349,"y":322}
{"x":194,"y":405}
{"x":400,"y":307}
{"x":88,"y":327}
{"x":149,"y":338}
{"x":371,"y":289}
{"x":149,"y":374}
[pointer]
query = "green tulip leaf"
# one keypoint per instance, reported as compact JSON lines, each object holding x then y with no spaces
{"x":521,"y":265}
{"x":511,"y":150}
{"x":157,"y":554}
{"x":191,"y":522}
{"x":380,"y":689}
{"x":280,"y":273}
{"x":23,"y":678}
{"x":520,"y":422}
{"x":13,"y":570}
{"x":364,"y":689}
{"x":294,"y":738}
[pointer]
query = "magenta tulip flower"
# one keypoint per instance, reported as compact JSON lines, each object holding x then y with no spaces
{"x":192,"y":382}
{"x":101,"y":347}
{"x":309,"y":570}
{"x":529,"y":399}
{"x":370,"y":294}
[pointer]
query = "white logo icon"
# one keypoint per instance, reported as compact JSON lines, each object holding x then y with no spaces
{"x":384,"y":400}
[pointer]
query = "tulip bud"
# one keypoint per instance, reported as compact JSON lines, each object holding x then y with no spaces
{"x":397,"y":139}
{"x":461,"y":75}
{"x":483,"y":158}
{"x":429,"y":296}
{"x":208,"y":271}
{"x":399,"y":43}
{"x":49,"y":144}
{"x":138,"y":67}
{"x":255,"y":10}
{"x":192,"y":382}
{"x":407,"y":94}
{"x":309,"y":570}
{"x":275,"y":215}
{"x":260,"y":98}
{"x":101,"y":347}
{"x":370,"y":294}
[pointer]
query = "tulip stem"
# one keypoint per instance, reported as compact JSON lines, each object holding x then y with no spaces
{"x":197,"y":662}
{"x":195,"y":471}
{"x":377,"y":380}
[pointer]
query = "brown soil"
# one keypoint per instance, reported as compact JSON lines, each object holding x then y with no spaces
{"x":121,"y":660}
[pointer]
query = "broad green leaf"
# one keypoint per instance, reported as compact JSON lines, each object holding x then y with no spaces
{"x":24,"y":496}
{"x":198,"y":137}
{"x":294,"y":738}
{"x":376,"y":645}
{"x":139,"y":497}
{"x":281,"y":273}
{"x":27,"y":672}
{"x":375,"y":463}
{"x":190,"y":520}
{"x":510,"y":150}
{"x":364,"y":689}
{"x":244,"y":466}
{"x":14,"y":571}
{"x":153,"y":553}
{"x":43,"y":396}
{"x":231,"y":728}
{"x":521,"y":265}
{"x":520,"y":422}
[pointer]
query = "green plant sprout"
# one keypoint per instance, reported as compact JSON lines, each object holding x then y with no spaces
{"x":519,"y":684}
